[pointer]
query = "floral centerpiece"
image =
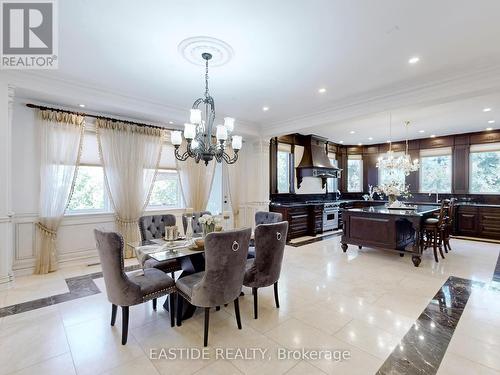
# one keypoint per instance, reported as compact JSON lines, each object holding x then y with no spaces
{"x":208,"y":223}
{"x":392,"y":191}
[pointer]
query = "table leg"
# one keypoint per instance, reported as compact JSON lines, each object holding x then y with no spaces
{"x":344,"y":247}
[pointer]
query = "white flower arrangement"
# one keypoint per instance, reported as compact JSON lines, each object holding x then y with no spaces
{"x":209,"y":220}
{"x":393,"y":189}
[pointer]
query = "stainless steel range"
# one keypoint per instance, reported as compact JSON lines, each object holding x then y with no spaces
{"x":331,"y":212}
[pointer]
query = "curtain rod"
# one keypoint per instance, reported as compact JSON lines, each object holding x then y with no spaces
{"x":30,"y":105}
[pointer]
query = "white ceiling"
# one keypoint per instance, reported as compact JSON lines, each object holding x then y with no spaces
{"x":284,"y":52}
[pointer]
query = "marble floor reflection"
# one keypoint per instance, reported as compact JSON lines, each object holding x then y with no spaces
{"x":366,"y":302}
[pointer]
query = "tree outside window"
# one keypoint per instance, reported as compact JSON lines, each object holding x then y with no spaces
{"x":485,"y":172}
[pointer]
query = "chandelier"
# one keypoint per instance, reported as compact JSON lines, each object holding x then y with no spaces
{"x":393,"y":163}
{"x":201,"y":142}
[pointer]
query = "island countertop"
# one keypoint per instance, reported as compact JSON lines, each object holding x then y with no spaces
{"x":420,"y":210}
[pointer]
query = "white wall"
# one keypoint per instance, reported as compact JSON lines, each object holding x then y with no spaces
{"x":75,"y":241}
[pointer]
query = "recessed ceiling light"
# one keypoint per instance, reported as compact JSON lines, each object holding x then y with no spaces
{"x":388,"y":141}
{"x":352,"y":132}
{"x":433,"y":136}
{"x":81,"y":105}
{"x":491,"y":122}
{"x":488,"y":129}
{"x":486,"y":109}
{"x":360,"y":144}
{"x":370,"y":138}
{"x":170,"y":122}
{"x":341,"y":141}
{"x":322,"y":90}
{"x":421,"y":131}
{"x":265,"y":109}
{"x":414,"y":60}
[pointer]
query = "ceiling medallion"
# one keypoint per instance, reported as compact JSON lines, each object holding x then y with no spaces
{"x":193,"y":48}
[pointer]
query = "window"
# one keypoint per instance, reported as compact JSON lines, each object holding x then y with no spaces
{"x":284,"y":162}
{"x":215,"y":200}
{"x":485,"y":169}
{"x":332,"y":183}
{"x":435,"y":170}
{"x":387,"y":176}
{"x":166,"y":191}
{"x":89,"y":193}
{"x":355,"y":173}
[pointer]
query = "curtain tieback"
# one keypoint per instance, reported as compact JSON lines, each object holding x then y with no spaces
{"x":49,"y":232}
{"x":124,"y":222}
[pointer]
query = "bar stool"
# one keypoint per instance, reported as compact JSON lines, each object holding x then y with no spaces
{"x":434,"y":228}
{"x":448,"y":225}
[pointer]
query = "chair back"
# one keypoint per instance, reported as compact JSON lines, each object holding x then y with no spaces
{"x":120,"y":290}
{"x":153,"y":226}
{"x":443,"y":211}
{"x":451,"y":213}
{"x":195,"y":223}
{"x":225,"y":259}
{"x":263,"y":217}
{"x":270,"y":240}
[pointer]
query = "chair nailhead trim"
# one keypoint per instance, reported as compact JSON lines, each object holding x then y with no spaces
{"x":158,"y":293}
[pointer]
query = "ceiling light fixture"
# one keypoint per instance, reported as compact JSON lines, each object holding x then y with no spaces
{"x":486,"y":109}
{"x":414,"y":60}
{"x":352,"y":132}
{"x":370,"y":138}
{"x":265,"y":109}
{"x":491,"y":122}
{"x":201,"y":144}
{"x":488,"y":129}
{"x":433,"y":136}
{"x":81,"y":105}
{"x":322,"y":90}
{"x":170,"y":122}
{"x":341,"y":141}
{"x":421,"y":131}
{"x":360,"y":144}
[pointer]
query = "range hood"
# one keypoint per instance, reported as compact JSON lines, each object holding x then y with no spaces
{"x":315,"y":162}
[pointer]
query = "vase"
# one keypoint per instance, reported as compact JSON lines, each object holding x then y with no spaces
{"x":208,"y":228}
{"x":392,"y":198}
{"x":189,"y":228}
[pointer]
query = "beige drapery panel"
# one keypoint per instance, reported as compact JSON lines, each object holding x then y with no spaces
{"x":235,"y":185}
{"x":130,"y":155}
{"x":196,"y":181}
{"x":61,"y":136}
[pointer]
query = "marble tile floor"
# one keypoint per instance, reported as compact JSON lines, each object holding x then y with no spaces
{"x":364,"y":302}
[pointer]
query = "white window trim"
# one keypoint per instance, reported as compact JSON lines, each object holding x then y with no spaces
{"x":477,"y":149}
{"x":180,"y":199}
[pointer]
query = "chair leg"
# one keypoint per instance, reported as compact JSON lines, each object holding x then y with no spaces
{"x":172,"y":274}
{"x":113,"y":314}
{"x":440,"y":244}
{"x":154,"y":303}
{"x":276,"y":299}
{"x":434,"y":247}
{"x":255,"y":303}
{"x":124,"y":324}
{"x":217,"y":308}
{"x":237,"y":312}
{"x":180,"y":300}
{"x":207,"y":319}
{"x":171,"y":298}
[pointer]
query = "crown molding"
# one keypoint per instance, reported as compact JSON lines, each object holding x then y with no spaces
{"x":116,"y":104}
{"x":437,"y":89}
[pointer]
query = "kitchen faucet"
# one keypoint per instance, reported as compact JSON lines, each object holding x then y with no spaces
{"x":437,"y":195}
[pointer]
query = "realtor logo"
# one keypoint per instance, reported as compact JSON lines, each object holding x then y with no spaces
{"x":29,"y":34}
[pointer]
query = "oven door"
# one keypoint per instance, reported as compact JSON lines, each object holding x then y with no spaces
{"x":330,"y":219}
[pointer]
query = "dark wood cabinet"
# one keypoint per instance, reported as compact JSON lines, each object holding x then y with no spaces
{"x":303,"y":220}
{"x":478,"y":221}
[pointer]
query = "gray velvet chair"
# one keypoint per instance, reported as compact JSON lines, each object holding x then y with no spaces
{"x":264,"y":270}
{"x":222,"y":280}
{"x":123,"y":290}
{"x":263,"y":217}
{"x":195,"y":223}
{"x":153,"y":227}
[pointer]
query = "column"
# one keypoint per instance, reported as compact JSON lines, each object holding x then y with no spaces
{"x":6,"y":233}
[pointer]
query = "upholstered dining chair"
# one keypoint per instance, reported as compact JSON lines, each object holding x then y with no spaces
{"x":263,"y":217}
{"x":124,"y":290}
{"x":195,"y":223}
{"x":222,"y":280}
{"x":265,"y":269}
{"x":153,"y":227}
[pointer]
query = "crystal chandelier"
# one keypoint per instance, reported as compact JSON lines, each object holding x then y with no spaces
{"x":401,"y":163}
{"x":201,"y":143}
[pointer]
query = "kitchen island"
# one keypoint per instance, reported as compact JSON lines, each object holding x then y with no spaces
{"x":382,"y":228}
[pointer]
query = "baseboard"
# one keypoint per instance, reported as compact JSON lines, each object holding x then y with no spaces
{"x":488,"y":240}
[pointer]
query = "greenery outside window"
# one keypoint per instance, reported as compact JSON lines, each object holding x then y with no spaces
{"x":484,"y":169}
{"x":332,"y":184}
{"x":435,"y":170}
{"x":89,"y":193}
{"x":387,"y":176}
{"x":284,"y":167}
{"x":166,"y":191}
{"x":354,"y":173}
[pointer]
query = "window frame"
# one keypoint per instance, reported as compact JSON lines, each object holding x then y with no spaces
{"x":92,"y":211}
{"x":359,"y":158}
{"x":180,"y":198}
{"x":478,"y":149}
{"x":289,"y":149}
{"x":442,"y":151}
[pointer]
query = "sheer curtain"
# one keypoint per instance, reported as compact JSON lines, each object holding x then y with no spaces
{"x":196,"y":182}
{"x":235,"y":184}
{"x":61,"y":136}
{"x":130,"y":155}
